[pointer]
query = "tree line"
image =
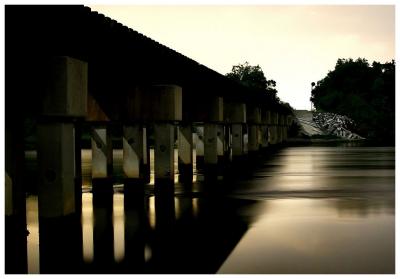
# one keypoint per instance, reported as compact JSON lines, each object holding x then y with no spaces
{"x":362,"y":91}
{"x":253,"y":77}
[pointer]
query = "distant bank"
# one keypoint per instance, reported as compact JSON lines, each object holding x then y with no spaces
{"x":316,"y":127}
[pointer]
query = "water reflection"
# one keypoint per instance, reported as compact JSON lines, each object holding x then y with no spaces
{"x":304,"y":210}
{"x":60,"y":244}
{"x":325,"y":210}
{"x":136,"y":224}
{"x":103,"y":231}
{"x":322,"y":172}
{"x":32,"y":220}
{"x":119,"y":226}
{"x":312,"y":236}
{"x":87,"y":227}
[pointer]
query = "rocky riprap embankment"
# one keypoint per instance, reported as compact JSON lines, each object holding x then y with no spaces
{"x":316,"y":124}
{"x":336,"y":125}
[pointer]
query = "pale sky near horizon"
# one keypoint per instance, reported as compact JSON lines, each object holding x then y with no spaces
{"x":294,"y":45}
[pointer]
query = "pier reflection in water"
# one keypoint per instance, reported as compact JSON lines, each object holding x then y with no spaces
{"x":163,"y":234}
{"x":305,"y":210}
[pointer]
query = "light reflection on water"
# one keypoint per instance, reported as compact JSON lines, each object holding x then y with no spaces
{"x":322,"y":171}
{"x":325,"y":210}
{"x":152,"y":212}
{"x":305,"y":210}
{"x":87,"y":226}
{"x":119,"y":227}
{"x":315,"y":236}
{"x":32,"y":220}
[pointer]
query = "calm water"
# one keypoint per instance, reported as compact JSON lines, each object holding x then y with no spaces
{"x":302,"y":210}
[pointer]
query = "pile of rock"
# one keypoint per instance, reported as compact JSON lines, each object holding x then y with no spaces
{"x":335,"y":124}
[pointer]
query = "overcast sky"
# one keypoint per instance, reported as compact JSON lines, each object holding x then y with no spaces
{"x":294,"y":45}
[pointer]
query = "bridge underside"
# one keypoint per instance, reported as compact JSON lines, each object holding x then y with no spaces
{"x":68,"y":68}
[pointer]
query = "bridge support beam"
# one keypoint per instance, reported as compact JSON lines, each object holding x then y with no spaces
{"x":254,"y":121}
{"x":279,"y":134}
{"x":213,"y":138}
{"x":237,"y":141}
{"x":227,"y":149}
{"x":280,"y":128}
{"x":264,"y":136}
{"x":166,"y":105}
{"x":185,"y":153}
{"x":220,"y":148}
{"x":102,"y":159}
{"x":134,"y":153}
{"x":164,"y":153}
{"x":285,"y":127}
{"x":273,"y":135}
{"x":235,"y":114}
{"x":253,"y":135}
{"x":56,"y":162}
{"x":64,"y":100}
{"x":199,"y":139}
{"x":146,"y":156}
{"x":265,"y":128}
{"x":210,"y":150}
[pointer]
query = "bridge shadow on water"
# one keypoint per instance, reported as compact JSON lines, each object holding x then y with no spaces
{"x":131,"y":228}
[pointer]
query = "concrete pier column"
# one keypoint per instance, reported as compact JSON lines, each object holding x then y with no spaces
{"x":237,"y":140}
{"x":220,"y":146}
{"x":134,"y":153}
{"x":56,"y":160}
{"x":226,"y":162}
{"x":272,"y":134}
{"x":164,"y":105}
{"x":185,"y":153}
{"x":280,"y":130}
{"x":199,"y":141}
{"x":285,"y":128}
{"x":253,"y":135}
{"x":264,"y":136}
{"x":253,"y":121}
{"x":266,"y":128}
{"x":273,"y":139}
{"x":64,"y":100}
{"x":210,"y":150}
{"x":278,"y":134}
{"x":78,"y":166}
{"x":164,"y":153}
{"x":213,"y":137}
{"x":102,"y":160}
{"x":235,"y":114}
{"x":146,"y":156}
{"x":245,"y":139}
{"x":227,"y":145}
{"x":59,"y":199}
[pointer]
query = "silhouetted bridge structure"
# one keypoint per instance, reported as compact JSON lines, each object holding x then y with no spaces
{"x":67,"y":66}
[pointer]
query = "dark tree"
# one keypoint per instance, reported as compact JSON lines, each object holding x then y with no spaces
{"x":364,"y":92}
{"x":253,"y":76}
